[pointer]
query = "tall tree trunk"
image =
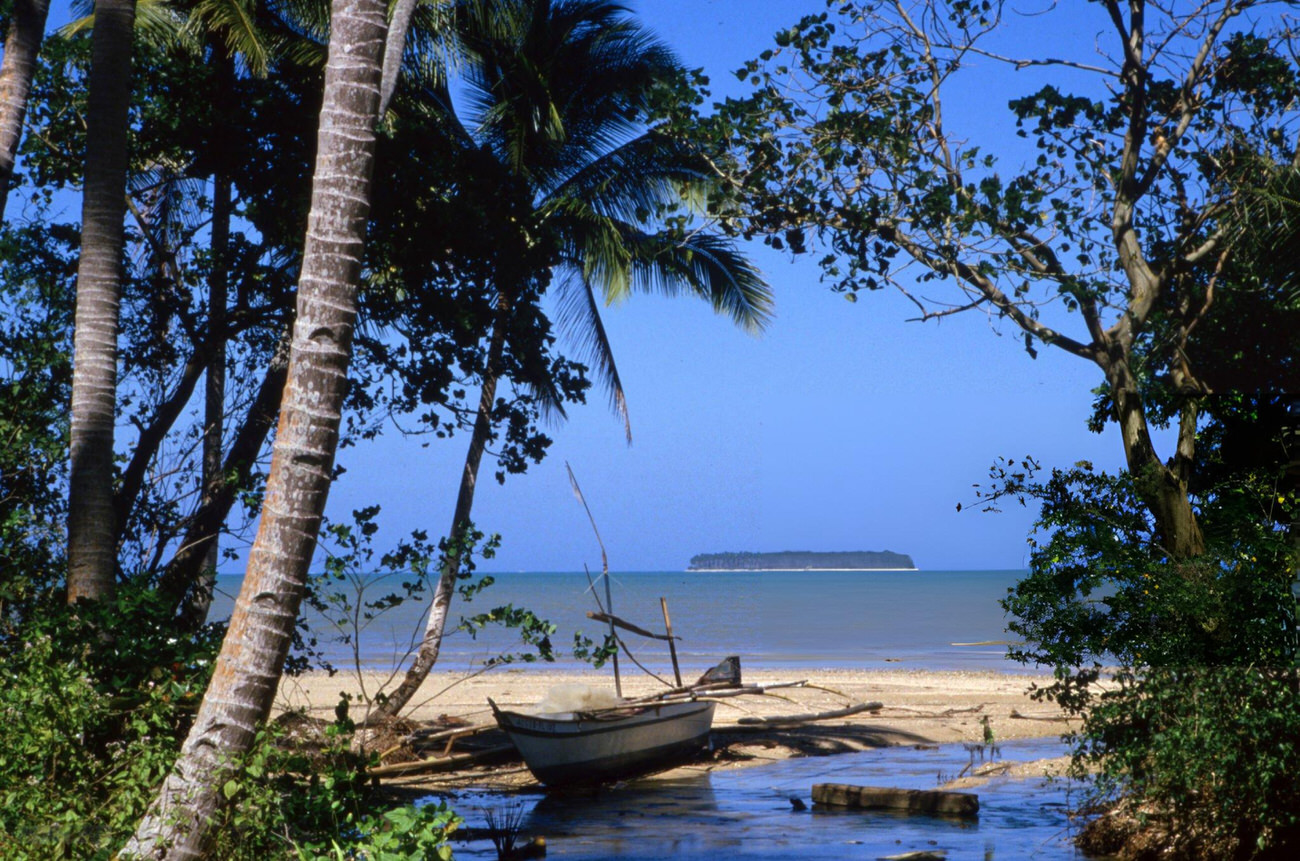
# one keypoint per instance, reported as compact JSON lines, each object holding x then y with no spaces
{"x":218,"y":282}
{"x":431,"y":645}
{"x":393,"y":50}
{"x":1162,"y":490}
{"x":179,"y":822}
{"x":186,"y":567}
{"x":214,"y":393}
{"x":150,"y":438}
{"x":26,"y":28}
{"x":91,"y":548}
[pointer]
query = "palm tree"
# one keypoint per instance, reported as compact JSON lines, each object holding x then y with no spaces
{"x":178,"y":823}
{"x":228,"y":35}
{"x":91,"y":541}
{"x":26,"y":27}
{"x":560,"y":92}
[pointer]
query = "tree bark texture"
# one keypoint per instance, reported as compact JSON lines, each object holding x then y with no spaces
{"x":178,"y":824}
{"x":393,"y":50}
{"x":431,"y":645}
{"x":1162,"y":490}
{"x":23,"y":42}
{"x":92,"y":548}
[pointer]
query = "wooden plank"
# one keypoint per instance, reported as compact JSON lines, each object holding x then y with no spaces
{"x":886,"y":798}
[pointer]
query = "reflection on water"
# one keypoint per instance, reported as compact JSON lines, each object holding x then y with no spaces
{"x":747,"y":814}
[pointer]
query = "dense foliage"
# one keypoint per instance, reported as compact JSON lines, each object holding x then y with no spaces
{"x":1195,"y":729}
{"x":224,"y":103}
{"x":1136,"y":210}
{"x":91,"y":731}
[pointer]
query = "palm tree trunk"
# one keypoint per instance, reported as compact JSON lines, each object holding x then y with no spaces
{"x":26,"y":27}
{"x":396,"y":45}
{"x":91,"y":527}
{"x":179,"y":822}
{"x":431,"y":645}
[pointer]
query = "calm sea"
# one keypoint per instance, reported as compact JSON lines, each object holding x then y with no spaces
{"x":772,"y":619}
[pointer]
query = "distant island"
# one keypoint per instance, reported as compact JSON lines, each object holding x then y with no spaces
{"x":803,"y":560}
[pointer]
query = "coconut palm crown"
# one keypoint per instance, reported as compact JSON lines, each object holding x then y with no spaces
{"x":555,"y":99}
{"x":557,"y":155}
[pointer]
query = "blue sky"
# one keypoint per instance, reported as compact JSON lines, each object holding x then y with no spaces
{"x":844,"y":427}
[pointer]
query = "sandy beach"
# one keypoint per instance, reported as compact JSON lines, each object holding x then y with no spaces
{"x":918,"y":707}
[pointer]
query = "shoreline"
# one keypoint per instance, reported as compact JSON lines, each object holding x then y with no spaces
{"x":920,"y":707}
{"x":784,"y":570}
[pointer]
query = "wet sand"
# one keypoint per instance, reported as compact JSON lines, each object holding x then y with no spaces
{"x":919,"y":707}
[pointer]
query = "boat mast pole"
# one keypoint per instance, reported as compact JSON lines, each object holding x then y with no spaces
{"x":604,"y":572}
{"x":609,"y":602}
{"x":672,"y":647}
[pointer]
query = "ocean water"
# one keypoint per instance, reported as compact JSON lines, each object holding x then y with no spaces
{"x":772,"y":619}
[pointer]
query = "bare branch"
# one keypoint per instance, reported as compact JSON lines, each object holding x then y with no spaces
{"x":972,"y":277}
{"x":1020,"y":64}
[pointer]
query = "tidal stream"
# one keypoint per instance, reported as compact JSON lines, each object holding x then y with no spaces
{"x":747,"y":813}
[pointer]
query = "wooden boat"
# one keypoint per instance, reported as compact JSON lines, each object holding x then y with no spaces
{"x":567,"y":748}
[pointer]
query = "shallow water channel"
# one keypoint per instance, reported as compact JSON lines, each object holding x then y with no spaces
{"x":746,"y":813}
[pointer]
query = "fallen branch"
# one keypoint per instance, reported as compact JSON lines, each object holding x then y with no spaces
{"x":839,"y":694}
{"x":944,"y":713}
{"x":439,"y":734}
{"x":1044,"y":716}
{"x":783,"y":720}
{"x":611,"y":619}
{"x":449,"y":763}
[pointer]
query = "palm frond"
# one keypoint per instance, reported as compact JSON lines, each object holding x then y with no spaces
{"x":234,"y":23}
{"x":156,"y":21}
{"x":637,"y":181}
{"x":580,"y":321}
{"x":169,"y":201}
{"x":553,"y":85}
{"x":534,"y":371}
{"x":432,"y":49}
{"x":619,"y":259}
{"x":1267,"y":224}
{"x":302,"y":29}
{"x":711,"y":267}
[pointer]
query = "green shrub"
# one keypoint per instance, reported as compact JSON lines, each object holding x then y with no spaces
{"x":93,"y":724}
{"x":1198,"y":724}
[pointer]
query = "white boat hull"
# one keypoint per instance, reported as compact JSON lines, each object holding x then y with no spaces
{"x":589,"y":748}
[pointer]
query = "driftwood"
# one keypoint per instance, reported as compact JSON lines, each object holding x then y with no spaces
{"x":782,"y":720}
{"x":448,"y":763}
{"x":885,"y":798}
{"x":1045,"y":716}
{"x":944,"y":713}
{"x":716,"y":690}
{"x":454,"y":732}
{"x":432,"y":735}
{"x":626,"y":625}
